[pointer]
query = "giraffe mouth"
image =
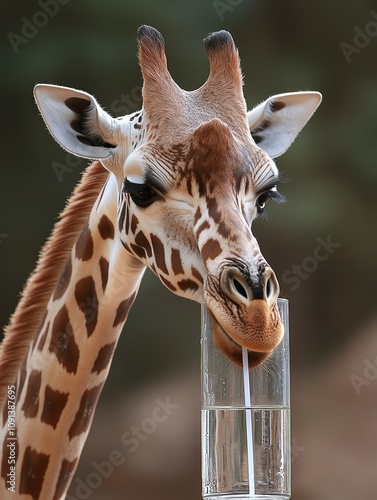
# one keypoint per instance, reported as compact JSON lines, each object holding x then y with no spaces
{"x":233,"y":350}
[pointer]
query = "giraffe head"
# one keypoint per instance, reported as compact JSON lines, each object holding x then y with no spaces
{"x":193,"y":170}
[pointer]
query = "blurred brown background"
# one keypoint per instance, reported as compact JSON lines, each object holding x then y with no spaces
{"x":284,"y":46}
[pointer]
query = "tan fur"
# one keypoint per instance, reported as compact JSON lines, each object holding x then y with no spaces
{"x":225,"y":68}
{"x":175,"y":112}
{"x":263,"y":334}
{"x":161,"y":95}
{"x":24,"y":324}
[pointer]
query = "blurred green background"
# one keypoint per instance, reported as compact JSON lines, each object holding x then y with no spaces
{"x":284,"y":46}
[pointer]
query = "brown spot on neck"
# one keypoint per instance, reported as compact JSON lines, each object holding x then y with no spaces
{"x":65,"y":475}
{"x":104,"y":267}
{"x":122,"y":311}
{"x":106,"y":228}
{"x":63,"y":343}
{"x":24,"y":324}
{"x":104,"y":357}
{"x":85,"y":411}
{"x":31,"y":401}
{"x":86,"y":297}
{"x":84,"y":244}
{"x":53,"y":406}
{"x":34,"y":466}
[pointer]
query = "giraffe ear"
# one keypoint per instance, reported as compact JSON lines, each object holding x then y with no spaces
{"x":275,"y":123}
{"x":76,"y":121}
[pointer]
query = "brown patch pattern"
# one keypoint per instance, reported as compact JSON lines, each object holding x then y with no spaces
{"x":34,"y":466}
{"x":223,"y":230}
{"x":63,"y":343}
{"x":121,"y":217}
{"x":65,"y":475}
{"x":211,"y":249}
{"x":31,"y":401}
{"x":213,"y":209}
{"x":159,"y":253}
{"x":104,"y":267}
{"x":134,"y":223}
{"x":143,"y":243}
{"x":86,"y":297}
{"x":122,"y":311}
{"x":138,"y":251}
{"x":106,"y":228}
{"x":204,"y":225}
{"x":188,"y":284}
{"x":104,"y":357}
{"x":64,"y":281}
{"x":214,"y":213}
{"x":41,"y":284}
{"x":196,"y":274}
{"x":176,"y":262}
{"x":84,"y":244}
{"x":85,"y":412}
{"x":53,"y":406}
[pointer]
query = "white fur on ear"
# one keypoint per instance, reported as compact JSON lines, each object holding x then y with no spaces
{"x":76,"y":121}
{"x":275,"y":123}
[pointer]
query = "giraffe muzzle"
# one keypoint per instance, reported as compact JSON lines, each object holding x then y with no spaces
{"x":242,"y":289}
{"x":245,"y":313}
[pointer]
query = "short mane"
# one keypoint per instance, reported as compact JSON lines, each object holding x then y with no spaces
{"x":26,"y":320}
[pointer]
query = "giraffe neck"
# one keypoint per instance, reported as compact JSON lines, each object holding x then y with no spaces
{"x":68,"y":362}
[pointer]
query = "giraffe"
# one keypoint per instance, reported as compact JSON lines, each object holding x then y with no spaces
{"x":173,"y":187}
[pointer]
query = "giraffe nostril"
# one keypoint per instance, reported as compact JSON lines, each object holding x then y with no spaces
{"x":268,"y":288}
{"x":272,"y":288}
{"x":240,"y":288}
{"x":235,"y":286}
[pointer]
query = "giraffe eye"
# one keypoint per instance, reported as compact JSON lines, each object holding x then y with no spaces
{"x":261,"y":202}
{"x":270,"y":194}
{"x":142,"y":195}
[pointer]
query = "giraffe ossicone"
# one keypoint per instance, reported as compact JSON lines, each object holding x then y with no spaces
{"x":174,"y":187}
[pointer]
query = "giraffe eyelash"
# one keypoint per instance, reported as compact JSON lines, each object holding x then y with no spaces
{"x":143,"y":195}
{"x":270,"y":194}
